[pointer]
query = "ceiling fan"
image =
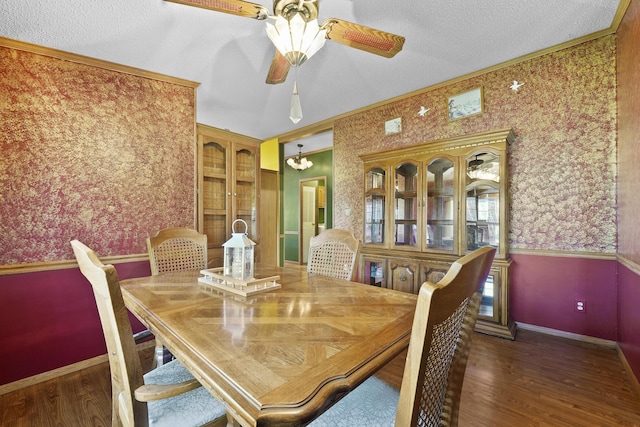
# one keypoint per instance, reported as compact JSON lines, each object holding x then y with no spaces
{"x":294,"y":30}
{"x":475,"y":163}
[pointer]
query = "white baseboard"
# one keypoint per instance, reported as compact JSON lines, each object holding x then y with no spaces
{"x":570,"y":335}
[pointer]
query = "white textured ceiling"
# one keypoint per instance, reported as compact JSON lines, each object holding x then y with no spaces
{"x":230,"y":55}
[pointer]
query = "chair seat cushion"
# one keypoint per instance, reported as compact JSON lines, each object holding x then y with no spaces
{"x":194,"y":408}
{"x":372,"y":404}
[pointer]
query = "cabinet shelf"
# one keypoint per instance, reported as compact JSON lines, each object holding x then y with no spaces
{"x":214,"y":173}
{"x":376,"y":192}
{"x":405,"y":194}
{"x":440,"y":193}
{"x":216,"y":212}
{"x":434,"y":221}
{"x":250,"y":179}
{"x":406,"y":221}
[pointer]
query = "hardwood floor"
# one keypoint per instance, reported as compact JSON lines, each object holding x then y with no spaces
{"x":537,"y":380}
{"x":541,"y":380}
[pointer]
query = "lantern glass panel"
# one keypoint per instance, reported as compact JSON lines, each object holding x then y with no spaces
{"x":235,"y":265}
{"x":248,"y":263}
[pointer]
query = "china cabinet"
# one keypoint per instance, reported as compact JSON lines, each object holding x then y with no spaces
{"x":228,"y":186}
{"x":427,"y":205}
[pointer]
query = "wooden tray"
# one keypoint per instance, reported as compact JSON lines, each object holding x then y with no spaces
{"x":214,"y":277}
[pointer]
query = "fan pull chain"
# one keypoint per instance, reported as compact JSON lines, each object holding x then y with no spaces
{"x":296,"y":109}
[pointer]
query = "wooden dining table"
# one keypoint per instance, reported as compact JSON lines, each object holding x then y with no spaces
{"x":278,"y":358}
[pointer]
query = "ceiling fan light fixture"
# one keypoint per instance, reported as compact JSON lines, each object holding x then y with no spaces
{"x":473,"y":164}
{"x":296,"y":38}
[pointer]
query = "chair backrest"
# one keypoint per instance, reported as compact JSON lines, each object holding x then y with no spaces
{"x":177,"y":249}
{"x":126,"y":370}
{"x":444,"y":321}
{"x":333,"y":253}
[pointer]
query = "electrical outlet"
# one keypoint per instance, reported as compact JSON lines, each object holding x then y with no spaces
{"x":580,"y":306}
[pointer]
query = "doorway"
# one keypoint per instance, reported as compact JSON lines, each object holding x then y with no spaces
{"x":312,"y":212}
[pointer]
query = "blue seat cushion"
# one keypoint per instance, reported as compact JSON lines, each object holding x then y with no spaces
{"x":372,"y":404}
{"x":194,"y":408}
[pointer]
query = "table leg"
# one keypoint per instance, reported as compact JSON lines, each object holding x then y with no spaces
{"x":231,"y":421}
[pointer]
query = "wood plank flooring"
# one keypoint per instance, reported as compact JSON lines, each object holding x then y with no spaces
{"x":542,"y":380}
{"x":537,"y":380}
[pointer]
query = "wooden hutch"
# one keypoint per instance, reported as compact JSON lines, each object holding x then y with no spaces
{"x":429,"y":204}
{"x":228,"y":186}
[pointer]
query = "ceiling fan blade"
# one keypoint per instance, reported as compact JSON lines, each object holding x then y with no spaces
{"x":363,"y":38}
{"x":234,"y":7}
{"x":278,"y":70}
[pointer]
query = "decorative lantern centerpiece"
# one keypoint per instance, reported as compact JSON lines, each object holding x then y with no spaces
{"x":236,"y":276}
{"x":238,"y":254}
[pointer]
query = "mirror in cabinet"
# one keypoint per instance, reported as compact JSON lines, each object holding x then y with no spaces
{"x":490,"y":292}
{"x":375,"y":193}
{"x":441,"y":205}
{"x":406,"y":206}
{"x":483,"y":201}
{"x":373,"y":271}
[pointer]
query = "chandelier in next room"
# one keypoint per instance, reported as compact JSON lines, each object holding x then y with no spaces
{"x":300,"y":163}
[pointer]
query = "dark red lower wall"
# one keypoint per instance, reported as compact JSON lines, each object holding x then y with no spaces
{"x":544,"y":290}
{"x":629,"y":317}
{"x":49,"y":319}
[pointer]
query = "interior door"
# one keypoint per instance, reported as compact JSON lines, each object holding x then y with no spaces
{"x":308,"y":219}
{"x":269,"y":218}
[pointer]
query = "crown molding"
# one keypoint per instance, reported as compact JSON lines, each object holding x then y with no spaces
{"x":86,"y":60}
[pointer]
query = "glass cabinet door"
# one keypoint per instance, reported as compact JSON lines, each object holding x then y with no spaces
{"x":440,"y":232}
{"x":374,"y":206}
{"x":489,"y":305}
{"x":483,"y":201}
{"x":214,"y":193}
{"x":244,"y":194}
{"x":406,"y":206}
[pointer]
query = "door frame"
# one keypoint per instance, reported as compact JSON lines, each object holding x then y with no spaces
{"x":301,"y":184}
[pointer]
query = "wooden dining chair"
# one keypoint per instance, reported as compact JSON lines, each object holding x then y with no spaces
{"x":333,"y":253}
{"x":443,"y":324}
{"x":174,"y":397}
{"x":174,"y":249}
{"x":177,"y":249}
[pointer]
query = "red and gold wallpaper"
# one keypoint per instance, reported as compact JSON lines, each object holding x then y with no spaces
{"x":562,"y":165}
{"x":89,"y":153}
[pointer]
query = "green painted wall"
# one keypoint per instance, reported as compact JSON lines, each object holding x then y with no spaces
{"x":290,"y":181}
